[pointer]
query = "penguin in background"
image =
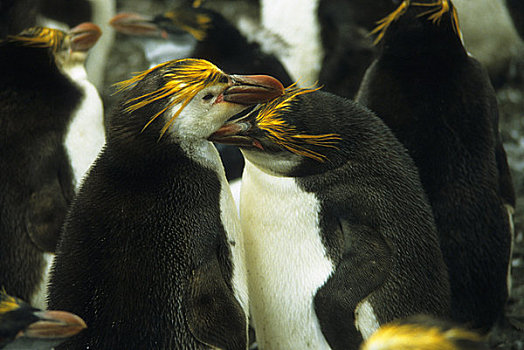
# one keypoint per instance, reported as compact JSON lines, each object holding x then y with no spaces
{"x":45,"y":109}
{"x":24,"y":327}
{"x":338,"y":233}
{"x":422,"y":332}
{"x":152,"y":254}
{"x":199,"y":32}
{"x":439,"y":103}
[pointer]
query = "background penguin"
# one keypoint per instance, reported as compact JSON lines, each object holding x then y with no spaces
{"x":422,"y":332}
{"x":152,"y":254}
{"x":440,"y":104}
{"x":46,"y":108}
{"x":197,"y":32}
{"x":24,"y":327}
{"x":339,"y":236}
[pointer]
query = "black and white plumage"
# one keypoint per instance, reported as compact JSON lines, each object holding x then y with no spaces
{"x":152,"y":253}
{"x":24,"y":327}
{"x":339,"y":235}
{"x":46,"y":109}
{"x":440,"y":104}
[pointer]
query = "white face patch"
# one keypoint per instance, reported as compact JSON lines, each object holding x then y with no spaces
{"x":285,"y":258}
{"x":86,"y":134}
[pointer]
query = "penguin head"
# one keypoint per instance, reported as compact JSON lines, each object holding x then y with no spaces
{"x":182,"y":21}
{"x":186,"y":100}
{"x":423,"y":332}
{"x":66,"y":48}
{"x":420,"y":24}
{"x":27,"y":326}
{"x":283,"y":134}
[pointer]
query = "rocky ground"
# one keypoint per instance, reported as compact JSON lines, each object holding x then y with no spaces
{"x":126,"y":57}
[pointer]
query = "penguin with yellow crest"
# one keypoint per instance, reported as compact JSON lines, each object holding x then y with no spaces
{"x":338,"y":233}
{"x":152,"y":254}
{"x":439,"y":103}
{"x":52,"y":129}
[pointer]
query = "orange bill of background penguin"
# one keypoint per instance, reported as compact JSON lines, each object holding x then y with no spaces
{"x":152,"y":254}
{"x":338,"y":233}
{"x":439,"y":102}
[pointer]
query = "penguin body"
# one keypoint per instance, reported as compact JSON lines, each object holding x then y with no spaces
{"x":439,"y":103}
{"x":39,"y":103}
{"x":339,"y":235}
{"x":156,"y":222}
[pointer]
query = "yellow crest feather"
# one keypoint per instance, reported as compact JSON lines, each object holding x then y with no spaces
{"x":280,"y":132}
{"x":412,"y":336}
{"x":438,"y":9}
{"x":184,"y":78}
{"x":384,"y":23}
{"x":40,"y":37}
{"x":8,"y":303}
{"x":195,"y":24}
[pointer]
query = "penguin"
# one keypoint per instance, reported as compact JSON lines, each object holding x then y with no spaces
{"x":422,"y":332}
{"x":46,"y":109}
{"x":197,"y":32}
{"x":24,"y":327}
{"x":439,"y":103}
{"x":152,"y":254}
{"x":339,"y":236}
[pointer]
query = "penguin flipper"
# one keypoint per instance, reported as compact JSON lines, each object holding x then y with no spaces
{"x":46,"y":211}
{"x":364,"y":266}
{"x":213,"y":314}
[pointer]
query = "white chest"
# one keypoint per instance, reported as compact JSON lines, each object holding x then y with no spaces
{"x":285,"y":259}
{"x":85,"y":136}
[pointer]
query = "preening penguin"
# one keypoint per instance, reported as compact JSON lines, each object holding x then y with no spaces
{"x":439,"y":103}
{"x":197,"y":32}
{"x":422,"y":332}
{"x":24,"y":327}
{"x":152,"y":254}
{"x":43,"y":103}
{"x":338,"y":233}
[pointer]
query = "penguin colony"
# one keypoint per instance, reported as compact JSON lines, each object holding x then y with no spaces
{"x":354,"y":215}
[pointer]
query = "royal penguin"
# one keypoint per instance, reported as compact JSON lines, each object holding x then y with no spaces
{"x":152,"y":254}
{"x":51,"y":121}
{"x":439,"y":103}
{"x":339,"y":235}
{"x":187,"y":31}
{"x":24,"y":327}
{"x":422,"y":332}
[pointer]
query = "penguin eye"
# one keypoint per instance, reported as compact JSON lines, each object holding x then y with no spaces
{"x":207,"y":97}
{"x":224,"y":79}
